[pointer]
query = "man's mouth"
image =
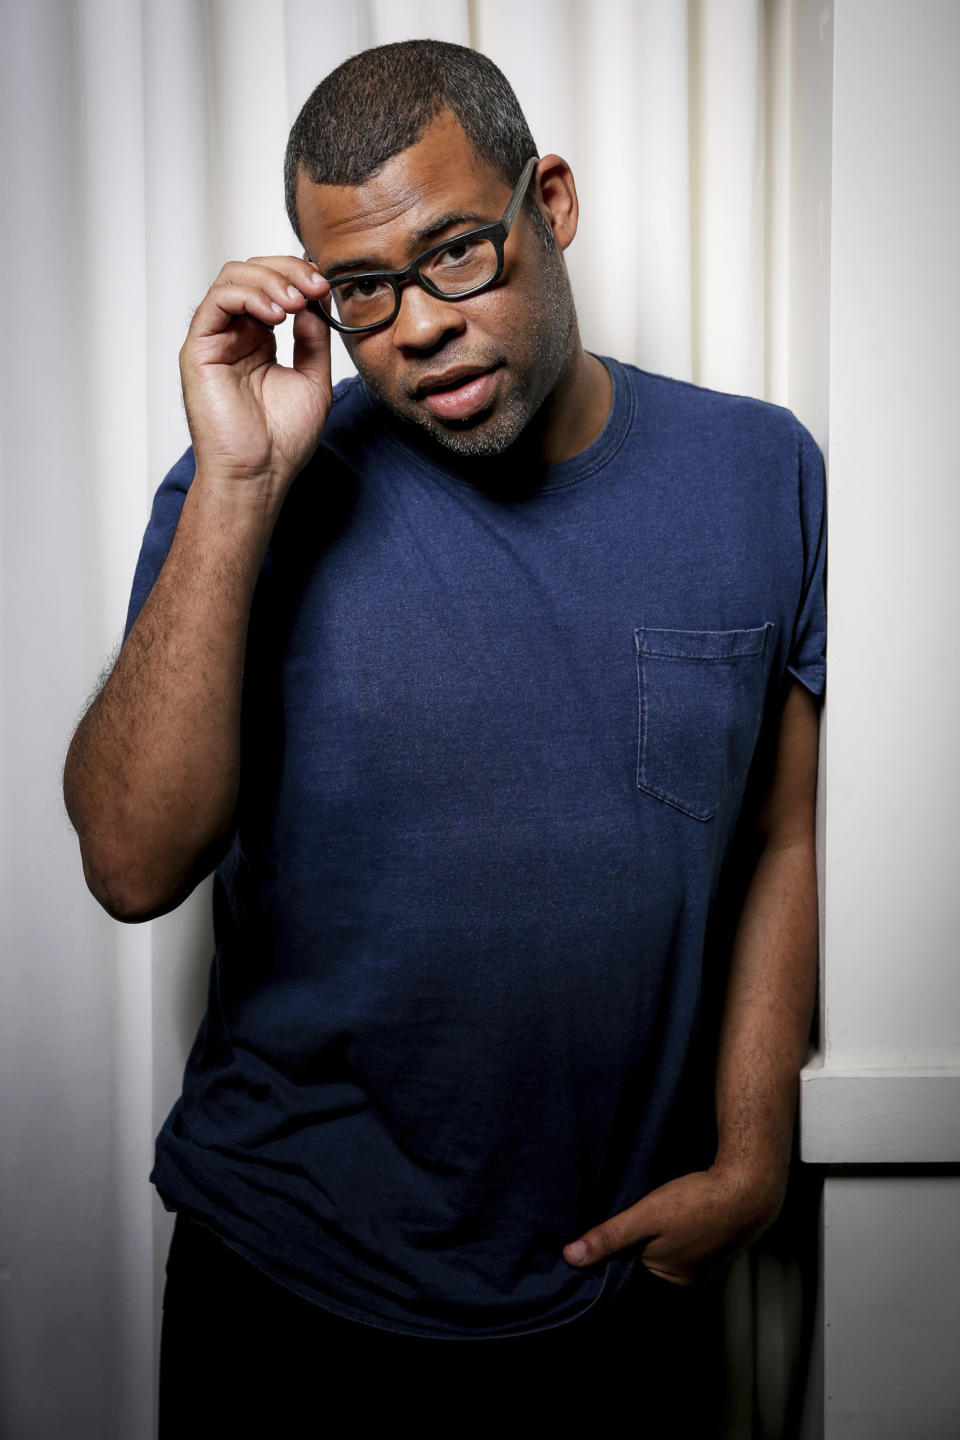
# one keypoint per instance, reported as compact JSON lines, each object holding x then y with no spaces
{"x":459,"y":392}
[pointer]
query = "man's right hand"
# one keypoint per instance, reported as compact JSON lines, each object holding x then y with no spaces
{"x":251,"y":418}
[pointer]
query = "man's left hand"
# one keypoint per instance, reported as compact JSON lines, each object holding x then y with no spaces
{"x":687,"y":1229}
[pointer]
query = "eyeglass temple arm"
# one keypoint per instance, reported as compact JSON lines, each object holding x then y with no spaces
{"x":516,"y":200}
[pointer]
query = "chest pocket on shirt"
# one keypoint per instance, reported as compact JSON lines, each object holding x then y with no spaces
{"x":701,"y":702}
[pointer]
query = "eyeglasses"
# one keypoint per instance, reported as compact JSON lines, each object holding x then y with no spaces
{"x":452,"y":270}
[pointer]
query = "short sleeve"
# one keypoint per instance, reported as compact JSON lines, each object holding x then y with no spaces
{"x":164,"y":518}
{"x":807,"y":658}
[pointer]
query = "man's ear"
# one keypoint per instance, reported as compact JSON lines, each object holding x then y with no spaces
{"x":557,"y":198}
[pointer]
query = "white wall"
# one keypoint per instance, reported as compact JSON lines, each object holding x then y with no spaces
{"x":891,"y":1282}
{"x":886,"y":1090}
{"x":893,"y":911}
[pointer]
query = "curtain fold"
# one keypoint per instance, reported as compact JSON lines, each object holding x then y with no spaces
{"x":143,"y":147}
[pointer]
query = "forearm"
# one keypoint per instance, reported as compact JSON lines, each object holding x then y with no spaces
{"x":697,"y":1222}
{"x":767,"y":1016}
{"x":151,"y":777}
{"x":694,"y":1224}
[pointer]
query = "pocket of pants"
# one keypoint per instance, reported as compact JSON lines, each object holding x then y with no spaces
{"x":701,"y":703}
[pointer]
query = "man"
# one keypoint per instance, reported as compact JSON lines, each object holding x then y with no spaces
{"x":487,"y":684}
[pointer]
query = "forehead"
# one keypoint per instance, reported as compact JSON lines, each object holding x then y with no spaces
{"x":439,"y":176}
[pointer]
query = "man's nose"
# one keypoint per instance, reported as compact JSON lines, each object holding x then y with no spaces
{"x":425,"y":320}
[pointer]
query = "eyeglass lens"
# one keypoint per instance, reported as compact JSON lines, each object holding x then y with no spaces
{"x":458,"y":268}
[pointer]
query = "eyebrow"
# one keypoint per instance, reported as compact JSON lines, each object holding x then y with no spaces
{"x":419,"y":239}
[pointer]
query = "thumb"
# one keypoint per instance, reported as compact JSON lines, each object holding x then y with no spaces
{"x":311,"y":348}
{"x":631,"y":1227}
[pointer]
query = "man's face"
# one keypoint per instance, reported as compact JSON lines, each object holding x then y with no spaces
{"x":472,"y":373}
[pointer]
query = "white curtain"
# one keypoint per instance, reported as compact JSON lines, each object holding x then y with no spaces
{"x":142,"y":146}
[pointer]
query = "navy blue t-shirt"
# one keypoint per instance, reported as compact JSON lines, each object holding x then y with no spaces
{"x":472,"y":928}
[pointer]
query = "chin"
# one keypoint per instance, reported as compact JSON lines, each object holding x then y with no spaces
{"x":483,"y":436}
{"x":477,"y":441}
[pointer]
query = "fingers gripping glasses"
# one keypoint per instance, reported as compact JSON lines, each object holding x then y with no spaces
{"x":456,"y":268}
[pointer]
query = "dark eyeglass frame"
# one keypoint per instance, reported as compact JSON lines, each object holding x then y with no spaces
{"x":497,"y":233}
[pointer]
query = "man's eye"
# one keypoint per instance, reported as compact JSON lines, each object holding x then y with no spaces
{"x":357,"y":291}
{"x":460,"y":252}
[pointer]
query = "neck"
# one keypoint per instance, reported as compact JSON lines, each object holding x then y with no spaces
{"x":575,"y":412}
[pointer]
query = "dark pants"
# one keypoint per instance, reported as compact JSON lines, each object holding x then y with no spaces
{"x":242,"y":1355}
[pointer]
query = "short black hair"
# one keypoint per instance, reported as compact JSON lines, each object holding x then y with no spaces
{"x":379,"y":102}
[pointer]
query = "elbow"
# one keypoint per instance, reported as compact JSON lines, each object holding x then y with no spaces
{"x":119,"y":876}
{"x":132,"y":908}
{"x":136,"y":868}
{"x":133,"y":884}
{"x":128,"y":895}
